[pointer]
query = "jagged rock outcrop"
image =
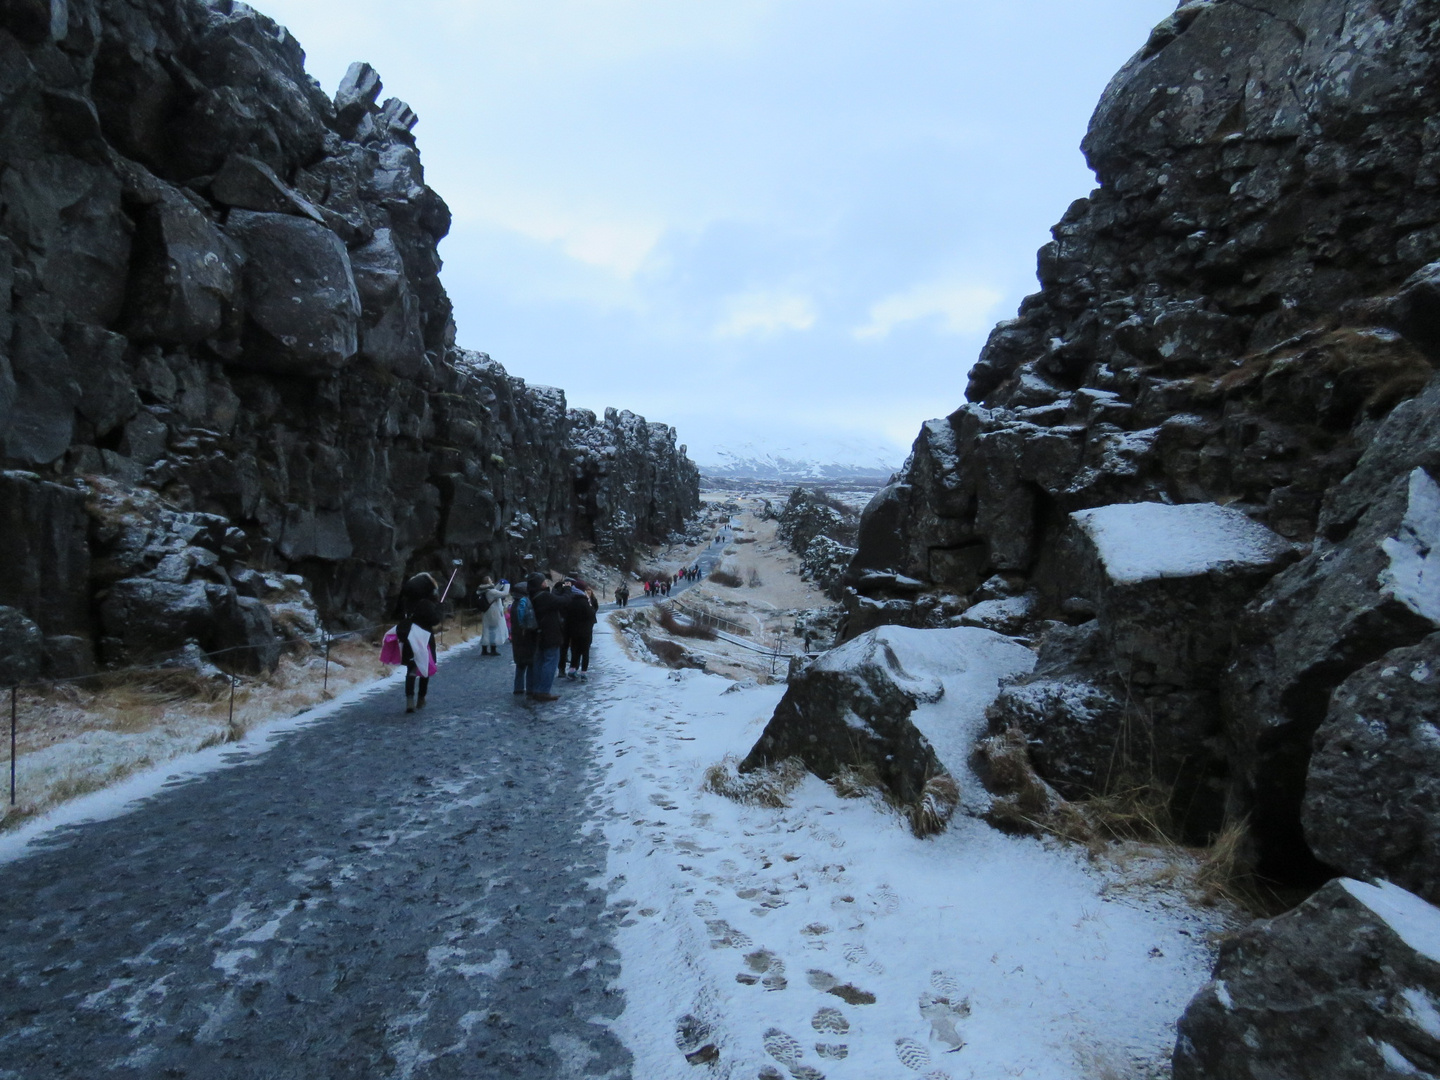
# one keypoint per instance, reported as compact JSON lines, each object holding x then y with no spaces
{"x":1345,"y":987}
{"x":219,"y":285}
{"x":824,"y":562}
{"x":631,"y":479}
{"x":1242,"y":314}
{"x":810,"y":513}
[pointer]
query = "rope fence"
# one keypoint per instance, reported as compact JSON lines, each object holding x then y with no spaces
{"x":158,"y":672}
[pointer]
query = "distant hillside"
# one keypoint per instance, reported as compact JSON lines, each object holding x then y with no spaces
{"x":802,"y":462}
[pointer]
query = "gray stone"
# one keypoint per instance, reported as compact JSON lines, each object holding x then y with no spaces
{"x":21,"y":648}
{"x":390,"y":329}
{"x":1345,"y":987}
{"x":851,"y":708}
{"x":301,"y":307}
{"x":68,"y":656}
{"x":184,"y":276}
{"x":1372,"y":794}
{"x":315,"y":534}
{"x":356,"y":97}
{"x":248,"y":184}
{"x":144,"y":619}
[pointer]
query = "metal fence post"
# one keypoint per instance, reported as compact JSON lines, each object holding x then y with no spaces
{"x":14,"y":691}
{"x":232,"y":701}
{"x":325,"y":689}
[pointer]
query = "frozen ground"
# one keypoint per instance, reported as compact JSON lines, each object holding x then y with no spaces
{"x":824,"y":940}
{"x":363,"y":893}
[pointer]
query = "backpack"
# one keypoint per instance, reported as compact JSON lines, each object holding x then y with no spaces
{"x":485,"y":601}
{"x":525,"y":615}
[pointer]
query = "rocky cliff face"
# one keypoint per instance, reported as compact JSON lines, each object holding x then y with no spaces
{"x":1241,"y":320}
{"x":220,"y":286}
{"x":1230,"y":318}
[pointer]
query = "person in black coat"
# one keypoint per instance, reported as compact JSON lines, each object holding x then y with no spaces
{"x":550,"y":615}
{"x":580,"y":615}
{"x":417,"y":606}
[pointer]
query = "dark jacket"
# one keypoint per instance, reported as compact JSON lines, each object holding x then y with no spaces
{"x":550,"y":614}
{"x":579,"y":615}
{"x":417,"y":604}
{"x":522,"y":641}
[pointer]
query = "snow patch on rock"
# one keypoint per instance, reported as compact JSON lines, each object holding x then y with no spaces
{"x":1143,"y":541}
{"x":1414,"y":921}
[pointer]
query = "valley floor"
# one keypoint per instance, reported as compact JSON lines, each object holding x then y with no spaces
{"x":491,"y":888}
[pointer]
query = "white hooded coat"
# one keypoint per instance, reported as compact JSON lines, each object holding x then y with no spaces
{"x":492,"y":621}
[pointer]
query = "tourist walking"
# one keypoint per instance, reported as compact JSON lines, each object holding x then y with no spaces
{"x":622,"y":595}
{"x":524,"y":632}
{"x":580,"y":616}
{"x":550,"y":635}
{"x":417,"y":614}
{"x":491,"y":600}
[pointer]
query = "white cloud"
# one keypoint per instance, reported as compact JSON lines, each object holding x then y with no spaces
{"x":766,"y":313}
{"x":960,"y":309}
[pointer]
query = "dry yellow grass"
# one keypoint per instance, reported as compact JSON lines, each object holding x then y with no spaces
{"x":95,"y":733}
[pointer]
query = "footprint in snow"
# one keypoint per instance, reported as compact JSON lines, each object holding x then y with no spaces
{"x":829,"y":1021}
{"x":945,"y":1007}
{"x":883,"y":901}
{"x":833,"y":1051}
{"x":691,"y":1033}
{"x":784,"y":1048}
{"x":860,"y":956}
{"x":846,"y":992}
{"x":705,"y":909}
{"x":725,"y":936}
{"x":912,"y":1054}
{"x":765,"y":968}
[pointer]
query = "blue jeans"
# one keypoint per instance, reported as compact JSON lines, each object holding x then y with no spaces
{"x":546,"y":661}
{"x":524,"y":678}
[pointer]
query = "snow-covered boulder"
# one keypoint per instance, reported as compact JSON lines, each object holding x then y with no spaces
{"x":900,"y":704}
{"x":1345,"y":987}
{"x":1169,"y":580}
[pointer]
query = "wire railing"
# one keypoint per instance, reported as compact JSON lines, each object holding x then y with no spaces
{"x":177,"y":670}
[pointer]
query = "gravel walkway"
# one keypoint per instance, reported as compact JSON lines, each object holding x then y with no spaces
{"x":378,"y":896}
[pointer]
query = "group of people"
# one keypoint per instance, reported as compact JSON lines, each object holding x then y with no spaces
{"x":546,"y":626}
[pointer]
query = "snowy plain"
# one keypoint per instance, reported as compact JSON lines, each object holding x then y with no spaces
{"x":823,"y":939}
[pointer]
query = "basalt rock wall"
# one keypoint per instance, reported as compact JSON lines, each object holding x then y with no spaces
{"x":219,"y":291}
{"x":1243,"y":313}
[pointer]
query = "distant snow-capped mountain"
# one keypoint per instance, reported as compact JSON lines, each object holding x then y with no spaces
{"x":802,"y":461}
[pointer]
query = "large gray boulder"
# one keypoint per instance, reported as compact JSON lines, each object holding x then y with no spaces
{"x":390,"y":328}
{"x":301,"y":306}
{"x":184,"y":276}
{"x":1367,"y":588}
{"x":1372,"y":795}
{"x":856,"y":707}
{"x":1345,"y":987}
{"x":1168,"y":582}
{"x":145,"y":619}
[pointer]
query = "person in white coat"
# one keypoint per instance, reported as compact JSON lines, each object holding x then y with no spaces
{"x":492,"y":599}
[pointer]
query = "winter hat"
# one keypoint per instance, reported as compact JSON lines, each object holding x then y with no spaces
{"x":534,"y":583}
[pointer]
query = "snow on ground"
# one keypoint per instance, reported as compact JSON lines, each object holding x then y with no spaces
{"x":824,"y":940}
{"x":1140,"y":541}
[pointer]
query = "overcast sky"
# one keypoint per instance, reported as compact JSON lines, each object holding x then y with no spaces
{"x":770,"y":221}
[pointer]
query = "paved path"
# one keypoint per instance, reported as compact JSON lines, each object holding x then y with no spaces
{"x":379,"y":896}
{"x":709,"y":558}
